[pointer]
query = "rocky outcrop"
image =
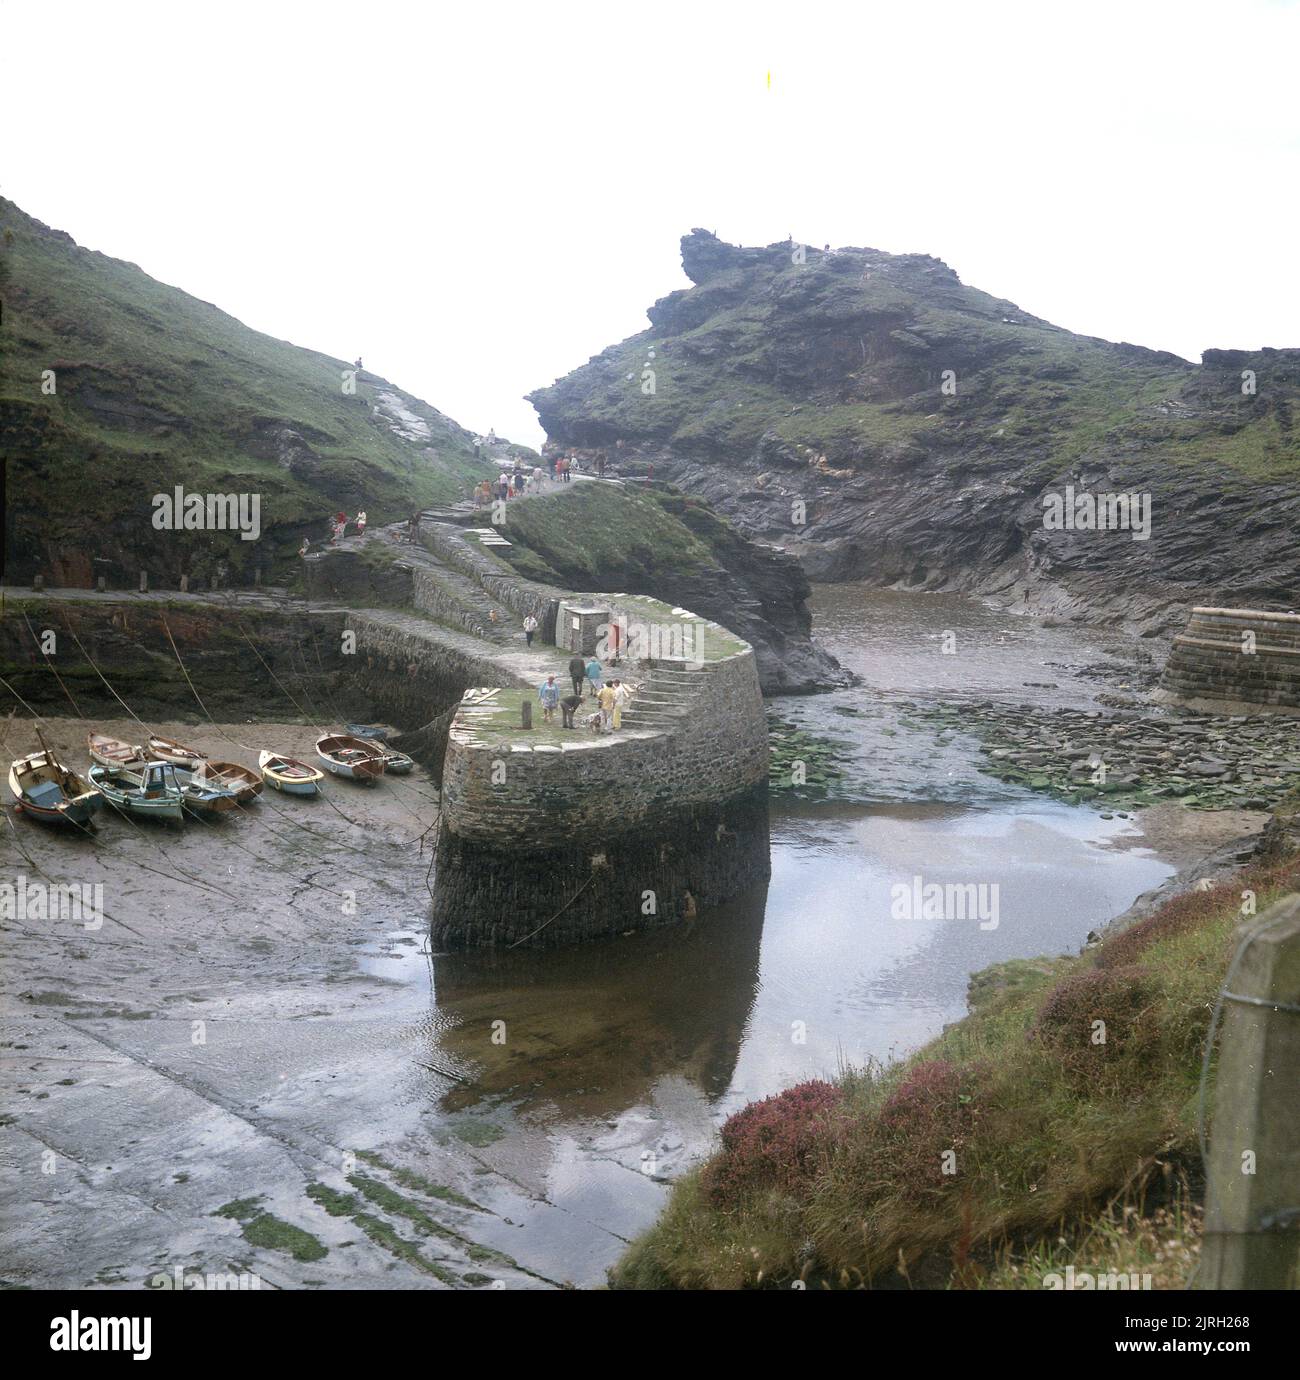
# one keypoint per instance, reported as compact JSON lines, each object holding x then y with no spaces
{"x":879,"y":420}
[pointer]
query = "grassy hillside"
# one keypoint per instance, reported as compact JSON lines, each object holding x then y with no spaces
{"x":1058,"y":1142}
{"x":153,"y":388}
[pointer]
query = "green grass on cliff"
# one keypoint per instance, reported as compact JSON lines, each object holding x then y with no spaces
{"x":620,"y":536}
{"x":156,"y":388}
{"x":1048,"y":1129}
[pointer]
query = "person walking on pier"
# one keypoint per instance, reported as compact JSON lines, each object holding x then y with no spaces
{"x":577,"y":670}
{"x":530,"y":627}
{"x":621,"y":697}
{"x":549,"y":694}
{"x":594,"y":677}
{"x":569,"y":706}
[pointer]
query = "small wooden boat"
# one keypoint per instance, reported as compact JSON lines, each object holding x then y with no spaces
{"x":45,"y":789}
{"x":395,"y":763}
{"x":201,"y":797}
{"x":152,"y":792}
{"x":244,"y":781}
{"x":289,"y":775}
{"x":353,"y":757}
{"x":398,"y":763}
{"x":113,"y":752}
{"x":168,"y":750}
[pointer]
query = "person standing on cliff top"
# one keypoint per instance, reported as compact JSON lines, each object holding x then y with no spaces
{"x":577,"y":669}
{"x":530,"y":627}
{"x":549,"y":694}
{"x":594,"y":676}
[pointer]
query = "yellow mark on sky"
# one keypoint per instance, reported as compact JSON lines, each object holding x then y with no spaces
{"x":769,"y":81}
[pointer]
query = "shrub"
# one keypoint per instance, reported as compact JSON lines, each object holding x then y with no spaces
{"x":934,"y":1109}
{"x":1121,"y":998}
{"x":771,"y":1144}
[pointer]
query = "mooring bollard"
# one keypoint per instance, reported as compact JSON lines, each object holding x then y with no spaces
{"x":1252,"y":1210}
{"x":526,"y":714}
{"x":144,"y":582}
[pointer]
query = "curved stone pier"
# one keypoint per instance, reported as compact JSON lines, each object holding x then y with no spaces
{"x":550,"y":836}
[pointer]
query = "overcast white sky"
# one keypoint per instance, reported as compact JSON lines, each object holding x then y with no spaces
{"x":477,"y":198}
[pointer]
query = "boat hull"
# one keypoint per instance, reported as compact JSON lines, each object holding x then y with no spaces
{"x":70,"y":811}
{"x":355,"y":759}
{"x":166,"y":806}
{"x":288,"y":775}
{"x":243,"y":782}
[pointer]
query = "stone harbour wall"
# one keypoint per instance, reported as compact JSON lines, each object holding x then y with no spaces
{"x":409,"y":676}
{"x":1236,"y":660}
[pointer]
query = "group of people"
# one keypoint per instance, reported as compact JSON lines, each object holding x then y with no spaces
{"x":611,"y":698}
{"x":338,"y":528}
{"x":509,"y":484}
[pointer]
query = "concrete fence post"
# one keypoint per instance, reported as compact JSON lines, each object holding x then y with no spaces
{"x":1252,"y":1218}
{"x":102,"y":585}
{"x":185,"y":584}
{"x":144,"y":582}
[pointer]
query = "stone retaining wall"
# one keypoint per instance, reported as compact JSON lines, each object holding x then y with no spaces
{"x":1236,"y":660}
{"x":522,"y":596}
{"x":408,"y":674}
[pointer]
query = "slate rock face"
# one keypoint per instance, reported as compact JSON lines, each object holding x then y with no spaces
{"x":879,"y":420}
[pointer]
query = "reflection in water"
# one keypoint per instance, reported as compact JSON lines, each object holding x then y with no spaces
{"x":589,"y":1031}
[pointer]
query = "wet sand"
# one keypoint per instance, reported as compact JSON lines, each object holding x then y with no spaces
{"x":236,"y":1028}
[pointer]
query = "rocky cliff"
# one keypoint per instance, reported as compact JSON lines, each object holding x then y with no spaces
{"x":881,"y":421}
